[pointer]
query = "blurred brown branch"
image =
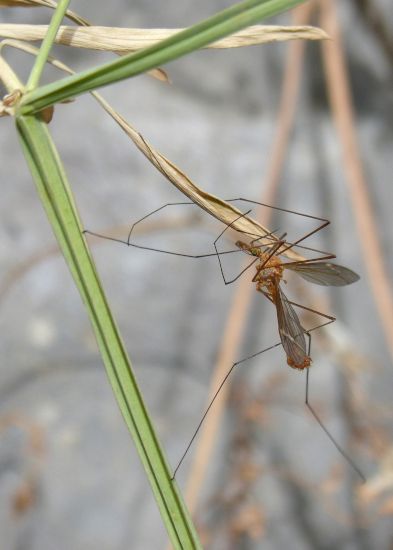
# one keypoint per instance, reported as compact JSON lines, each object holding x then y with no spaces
{"x":377,"y":23}
{"x":342,"y":110}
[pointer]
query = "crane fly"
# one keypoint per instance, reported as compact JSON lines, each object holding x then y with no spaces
{"x":268,"y":276}
{"x":267,"y":250}
{"x":318,"y":272}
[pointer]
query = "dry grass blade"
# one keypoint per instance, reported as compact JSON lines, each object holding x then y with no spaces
{"x":157,"y":73}
{"x":22,"y":3}
{"x":121,"y":40}
{"x":218,"y":208}
{"x":11,"y":82}
{"x":215,"y":206}
{"x":340,"y":97}
{"x":42,"y":3}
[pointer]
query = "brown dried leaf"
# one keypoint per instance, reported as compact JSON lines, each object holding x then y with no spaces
{"x":218,"y":208}
{"x":121,"y":40}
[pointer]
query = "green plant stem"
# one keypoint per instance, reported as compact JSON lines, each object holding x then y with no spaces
{"x":58,"y":202}
{"x":46,"y":45}
{"x":222,"y":24}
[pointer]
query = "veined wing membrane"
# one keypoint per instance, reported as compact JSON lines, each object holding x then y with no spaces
{"x":291,"y":331}
{"x":325,"y":273}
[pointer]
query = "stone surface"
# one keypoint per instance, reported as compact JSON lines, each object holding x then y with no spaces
{"x":69,"y":475}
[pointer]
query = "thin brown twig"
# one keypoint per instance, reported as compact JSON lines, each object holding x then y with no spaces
{"x":238,"y":313}
{"x":377,"y":22}
{"x":341,"y":102}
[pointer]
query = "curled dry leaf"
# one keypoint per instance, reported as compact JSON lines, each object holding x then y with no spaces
{"x":157,"y":73}
{"x":121,"y":40}
{"x":218,"y":208}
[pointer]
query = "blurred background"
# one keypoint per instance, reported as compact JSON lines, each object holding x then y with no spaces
{"x":270,"y":123}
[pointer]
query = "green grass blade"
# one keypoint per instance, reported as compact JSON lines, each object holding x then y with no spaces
{"x":58,"y":202}
{"x":222,"y":24}
{"x":46,"y":45}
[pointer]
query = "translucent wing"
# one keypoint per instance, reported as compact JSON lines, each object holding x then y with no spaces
{"x":325,"y":273}
{"x":291,"y":332}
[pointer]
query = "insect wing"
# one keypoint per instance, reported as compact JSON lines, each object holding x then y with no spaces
{"x":325,"y":273}
{"x":291,"y":331}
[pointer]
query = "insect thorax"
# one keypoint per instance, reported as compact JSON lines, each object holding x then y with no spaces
{"x":269,"y":269}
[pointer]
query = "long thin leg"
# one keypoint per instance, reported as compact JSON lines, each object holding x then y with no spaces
{"x":211,"y":404}
{"x":259,"y":268}
{"x":309,"y":248}
{"x":142,"y":247}
{"x":183,"y":255}
{"x":330,"y":317}
{"x":129,"y":243}
{"x":272,"y":252}
{"x":327,"y":432}
{"x":152,"y":213}
{"x":274,"y":240}
{"x":218,"y":254}
{"x":323,"y":255}
{"x":279,"y":343}
{"x":244,"y":360}
{"x":324,"y":221}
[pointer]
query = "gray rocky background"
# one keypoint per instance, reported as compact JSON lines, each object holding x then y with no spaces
{"x":69,"y":474}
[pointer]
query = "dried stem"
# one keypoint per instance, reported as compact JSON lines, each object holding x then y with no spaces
{"x":341,"y":102}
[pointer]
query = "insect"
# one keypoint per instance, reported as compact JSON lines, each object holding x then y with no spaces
{"x":268,"y":278}
{"x":269,"y":274}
